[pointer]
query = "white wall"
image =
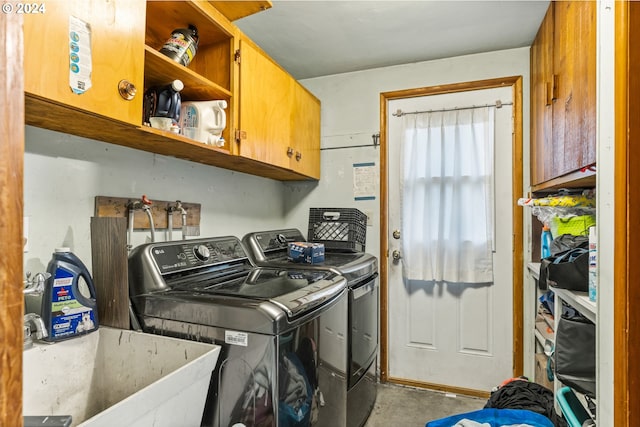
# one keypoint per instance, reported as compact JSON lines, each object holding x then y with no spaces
{"x":351,"y":114}
{"x":64,"y":173}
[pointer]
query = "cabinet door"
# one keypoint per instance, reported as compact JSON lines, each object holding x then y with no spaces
{"x":115,"y":29}
{"x":305,"y":133}
{"x":266,"y":96}
{"x":541,"y":101}
{"x":574,"y":109}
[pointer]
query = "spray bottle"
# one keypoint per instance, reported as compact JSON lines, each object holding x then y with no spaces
{"x":545,"y":242}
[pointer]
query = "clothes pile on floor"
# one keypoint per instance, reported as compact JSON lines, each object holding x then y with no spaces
{"x":515,"y":403}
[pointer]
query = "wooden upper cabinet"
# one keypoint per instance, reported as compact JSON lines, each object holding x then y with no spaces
{"x":305,"y":133}
{"x":574,"y":62}
{"x":541,"y":100}
{"x":266,"y":98}
{"x":56,"y":57}
{"x":237,"y":9}
{"x":563,"y":93}
{"x":118,"y":41}
{"x":279,"y":120}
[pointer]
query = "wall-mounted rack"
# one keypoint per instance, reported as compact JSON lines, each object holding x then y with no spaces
{"x":107,"y":206}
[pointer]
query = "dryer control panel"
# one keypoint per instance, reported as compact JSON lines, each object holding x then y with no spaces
{"x":277,"y":239}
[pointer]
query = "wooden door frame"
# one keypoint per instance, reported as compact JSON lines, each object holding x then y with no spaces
{"x":517,"y":186}
{"x":626,"y":322}
{"x":11,"y":200}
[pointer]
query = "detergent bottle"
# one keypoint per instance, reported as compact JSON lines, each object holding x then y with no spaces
{"x":69,"y":305}
{"x":163,"y":101}
{"x":204,"y":121}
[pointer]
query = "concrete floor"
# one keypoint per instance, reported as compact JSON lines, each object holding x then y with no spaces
{"x":398,"y":406}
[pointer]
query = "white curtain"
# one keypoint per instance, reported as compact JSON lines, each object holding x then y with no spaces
{"x":447,"y":196}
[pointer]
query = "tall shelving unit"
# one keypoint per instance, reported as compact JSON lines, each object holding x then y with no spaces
{"x":545,"y":340}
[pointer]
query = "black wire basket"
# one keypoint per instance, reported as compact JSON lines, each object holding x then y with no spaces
{"x":340,"y":229}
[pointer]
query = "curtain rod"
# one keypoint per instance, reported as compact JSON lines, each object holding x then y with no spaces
{"x":376,"y":142}
{"x":498,"y":104}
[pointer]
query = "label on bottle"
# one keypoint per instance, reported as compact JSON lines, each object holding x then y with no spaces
{"x":190,"y":117}
{"x":68,"y":316}
{"x":181,"y":46}
{"x":593,"y":264}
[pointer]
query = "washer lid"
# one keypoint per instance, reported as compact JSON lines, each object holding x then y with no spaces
{"x":294,"y":291}
{"x":269,"y":249}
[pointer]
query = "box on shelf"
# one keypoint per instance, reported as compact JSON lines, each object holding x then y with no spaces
{"x":574,"y":225}
{"x":545,"y":330}
{"x":340,"y":229}
{"x":540,"y":374}
{"x":308,"y":252}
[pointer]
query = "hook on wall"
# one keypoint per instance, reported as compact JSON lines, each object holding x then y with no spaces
{"x":376,"y":139}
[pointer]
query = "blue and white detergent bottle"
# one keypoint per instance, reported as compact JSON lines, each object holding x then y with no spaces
{"x":69,"y":305}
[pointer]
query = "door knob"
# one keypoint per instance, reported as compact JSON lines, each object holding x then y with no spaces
{"x":127,"y":90}
{"x":396,"y":255}
{"x":396,"y":234}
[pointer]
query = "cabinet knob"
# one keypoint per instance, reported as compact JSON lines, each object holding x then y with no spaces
{"x":289,"y":151}
{"x":298,"y":155}
{"x":127,"y":90}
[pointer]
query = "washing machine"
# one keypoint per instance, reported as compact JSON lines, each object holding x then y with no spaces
{"x":269,"y":249}
{"x":279,"y":366}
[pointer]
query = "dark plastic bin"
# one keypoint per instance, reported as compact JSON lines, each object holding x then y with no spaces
{"x":340,"y":229}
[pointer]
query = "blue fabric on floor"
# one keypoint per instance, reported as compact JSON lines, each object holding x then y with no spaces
{"x":496,"y":418}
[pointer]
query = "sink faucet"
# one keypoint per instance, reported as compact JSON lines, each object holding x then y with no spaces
{"x":39,"y":330}
{"x":35,"y":285}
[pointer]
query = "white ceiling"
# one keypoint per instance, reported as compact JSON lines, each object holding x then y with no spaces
{"x":317,"y":38}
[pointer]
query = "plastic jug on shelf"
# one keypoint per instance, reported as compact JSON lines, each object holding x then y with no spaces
{"x":163,"y":101}
{"x":204,"y":121}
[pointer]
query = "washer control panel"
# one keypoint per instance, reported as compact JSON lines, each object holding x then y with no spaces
{"x":171,"y":257}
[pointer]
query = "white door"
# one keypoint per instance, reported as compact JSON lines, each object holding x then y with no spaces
{"x":456,"y":336}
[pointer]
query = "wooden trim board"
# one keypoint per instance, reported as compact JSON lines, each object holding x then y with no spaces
{"x":11,"y":200}
{"x":110,"y":270}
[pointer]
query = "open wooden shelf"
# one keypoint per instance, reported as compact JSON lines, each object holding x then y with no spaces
{"x":47,"y":114}
{"x":578,"y":179}
{"x":161,"y":70}
{"x":165,"y":16}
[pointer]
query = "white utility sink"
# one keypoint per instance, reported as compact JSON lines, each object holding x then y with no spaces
{"x":115,"y":377}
